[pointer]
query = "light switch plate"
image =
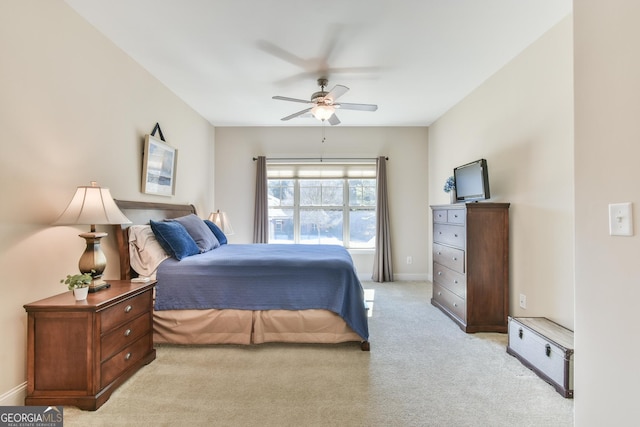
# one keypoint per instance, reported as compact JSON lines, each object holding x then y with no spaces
{"x":620,"y":219}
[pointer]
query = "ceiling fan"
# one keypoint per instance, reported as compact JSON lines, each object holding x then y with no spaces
{"x":323,"y":104}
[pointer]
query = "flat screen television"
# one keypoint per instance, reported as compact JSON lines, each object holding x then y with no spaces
{"x":472,"y":181}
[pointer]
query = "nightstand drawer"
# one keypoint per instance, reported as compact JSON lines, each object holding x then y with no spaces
{"x":124,"y":335}
{"x":125,"y":311}
{"x":125,"y":359}
{"x":449,"y":257}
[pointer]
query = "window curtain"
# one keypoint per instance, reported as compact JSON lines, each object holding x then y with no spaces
{"x":261,"y":213}
{"x":382,"y":266}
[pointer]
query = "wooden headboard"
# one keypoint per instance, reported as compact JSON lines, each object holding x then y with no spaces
{"x":140,"y":213}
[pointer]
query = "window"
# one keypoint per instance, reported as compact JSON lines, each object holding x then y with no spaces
{"x":322,"y":204}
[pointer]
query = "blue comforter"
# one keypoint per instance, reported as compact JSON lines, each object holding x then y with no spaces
{"x":265,"y":277}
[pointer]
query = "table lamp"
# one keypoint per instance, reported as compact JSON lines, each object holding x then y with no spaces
{"x":222,"y":221}
{"x":90,"y":206}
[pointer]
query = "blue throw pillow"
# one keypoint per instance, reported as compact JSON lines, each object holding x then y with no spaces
{"x":174,"y":239}
{"x":199,"y":232}
{"x":217,"y":232}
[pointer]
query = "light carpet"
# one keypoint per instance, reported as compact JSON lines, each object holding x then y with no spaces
{"x":422,"y":371}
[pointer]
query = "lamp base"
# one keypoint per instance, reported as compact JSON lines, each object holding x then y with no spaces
{"x":93,"y":260}
{"x":98,"y":285}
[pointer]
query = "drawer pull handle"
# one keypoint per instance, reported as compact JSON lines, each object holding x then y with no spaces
{"x":128,"y":308}
{"x":455,"y":235}
{"x":127,"y":332}
{"x":547,"y":350}
{"x":128,"y":356}
{"x":455,"y":281}
{"x":455,"y":304}
{"x":520,"y":333}
{"x":439,"y":253}
{"x":439,"y":273}
{"x":439,"y":293}
{"x":455,"y":258}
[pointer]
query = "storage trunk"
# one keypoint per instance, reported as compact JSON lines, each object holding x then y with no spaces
{"x":546,"y":348}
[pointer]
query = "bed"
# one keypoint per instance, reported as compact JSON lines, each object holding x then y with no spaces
{"x":247,"y":294}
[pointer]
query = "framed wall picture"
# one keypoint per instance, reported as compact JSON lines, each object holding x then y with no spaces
{"x":158,"y":167}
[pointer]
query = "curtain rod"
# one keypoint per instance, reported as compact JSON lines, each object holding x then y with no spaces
{"x":321,"y":159}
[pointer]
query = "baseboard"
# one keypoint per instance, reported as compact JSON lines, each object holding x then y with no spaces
{"x":403,"y":277}
{"x":15,"y":396}
{"x":411,"y":277}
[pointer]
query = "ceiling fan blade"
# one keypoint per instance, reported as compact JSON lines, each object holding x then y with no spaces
{"x":331,"y":42}
{"x":353,"y":70}
{"x":299,"y":113}
{"x":287,"y":56}
{"x":285,"y":98}
{"x":360,"y":107}
{"x":334,"y":120}
{"x":337,"y":92}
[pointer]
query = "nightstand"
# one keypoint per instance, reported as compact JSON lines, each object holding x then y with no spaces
{"x":79,"y":352}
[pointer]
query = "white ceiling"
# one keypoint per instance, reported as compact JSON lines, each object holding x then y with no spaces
{"x":414,"y":58}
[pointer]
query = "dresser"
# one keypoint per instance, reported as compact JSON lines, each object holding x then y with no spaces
{"x":79,"y":352}
{"x":471,"y":264}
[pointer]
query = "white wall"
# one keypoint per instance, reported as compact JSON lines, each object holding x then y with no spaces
{"x":407,"y":180}
{"x":607,"y":149}
{"x":73,"y":108}
{"x":521,"y":121}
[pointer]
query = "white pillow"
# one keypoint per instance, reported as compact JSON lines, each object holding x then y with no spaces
{"x":145,"y":253}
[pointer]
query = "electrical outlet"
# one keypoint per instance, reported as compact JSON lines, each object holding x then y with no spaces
{"x":409,"y":260}
{"x":523,"y":301}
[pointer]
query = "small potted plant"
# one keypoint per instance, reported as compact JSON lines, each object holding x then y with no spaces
{"x":450,"y":187}
{"x":79,"y":284}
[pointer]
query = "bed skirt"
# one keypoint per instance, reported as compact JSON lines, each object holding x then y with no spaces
{"x":250,"y":327}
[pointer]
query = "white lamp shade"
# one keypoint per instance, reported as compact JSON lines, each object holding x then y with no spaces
{"x":323,"y":112}
{"x":92,"y":205}
{"x":222,"y":221}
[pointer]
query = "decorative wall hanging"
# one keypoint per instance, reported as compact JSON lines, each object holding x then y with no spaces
{"x":159,"y":166}
{"x":156,"y":128}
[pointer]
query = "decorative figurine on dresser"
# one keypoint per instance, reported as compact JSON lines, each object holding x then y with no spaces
{"x":471,"y":264}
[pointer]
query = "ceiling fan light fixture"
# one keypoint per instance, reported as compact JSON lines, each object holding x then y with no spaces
{"x":323,"y":104}
{"x":323,"y":112}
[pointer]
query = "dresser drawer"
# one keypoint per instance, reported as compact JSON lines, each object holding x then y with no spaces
{"x":450,"y":302}
{"x":125,"y":311}
{"x":449,"y":257}
{"x":123,"y":360}
{"x":449,"y":234}
{"x":440,"y":215}
{"x":124,"y":335}
{"x":452,"y":280}
{"x":456,"y":216}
